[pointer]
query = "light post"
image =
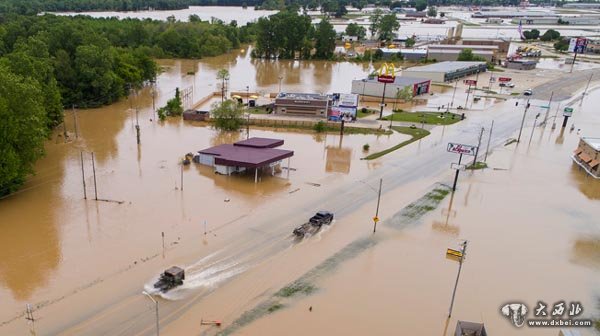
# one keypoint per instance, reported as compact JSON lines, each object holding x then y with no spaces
{"x":280,"y":78}
{"x":247,"y":96}
{"x":156,"y":310}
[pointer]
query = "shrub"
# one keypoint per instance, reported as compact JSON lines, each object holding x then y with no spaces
{"x":320,"y":127}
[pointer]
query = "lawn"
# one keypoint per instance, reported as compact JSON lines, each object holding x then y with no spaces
{"x":361,"y":114}
{"x":415,"y":133}
{"x":434,"y":118}
{"x":258,"y":110}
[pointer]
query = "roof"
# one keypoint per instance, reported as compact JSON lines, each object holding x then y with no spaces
{"x":512,"y":14}
{"x":260,"y":143}
{"x":458,"y":51}
{"x":242,"y":156}
{"x":592,"y":142}
{"x":404,"y":51}
{"x":522,"y":61}
{"x":302,"y":96}
{"x":400,"y":80}
{"x":462,"y":46}
{"x":448,"y":66}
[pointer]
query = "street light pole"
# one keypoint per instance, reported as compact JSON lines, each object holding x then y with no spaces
{"x":453,"y":94}
{"x":377,"y":210}
{"x":523,"y":121}
{"x":156,"y":310}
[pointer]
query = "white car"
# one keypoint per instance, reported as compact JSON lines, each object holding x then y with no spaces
{"x":509,"y":84}
{"x":528,"y":92}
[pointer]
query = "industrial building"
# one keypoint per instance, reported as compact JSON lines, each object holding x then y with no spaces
{"x":511,"y":14}
{"x":371,"y":87}
{"x":587,"y":155}
{"x":519,"y":64}
{"x":303,"y":104}
{"x":450,"y":52}
{"x":253,"y":153}
{"x":445,"y":71}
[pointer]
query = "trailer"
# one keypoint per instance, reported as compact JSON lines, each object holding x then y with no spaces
{"x":314,"y":224}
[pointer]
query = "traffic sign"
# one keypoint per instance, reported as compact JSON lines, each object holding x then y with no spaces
{"x":470,"y":82}
{"x":567,"y":112}
{"x":454,"y":253}
{"x":504,"y":79}
{"x":375,"y":219}
{"x":461,"y":149}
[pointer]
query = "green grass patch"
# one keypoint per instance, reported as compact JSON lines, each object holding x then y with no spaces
{"x":417,"y":209}
{"x":328,"y":129}
{"x":275,"y":307}
{"x":367,"y":112}
{"x":496,"y":70}
{"x":258,"y":110}
{"x":514,"y":93}
{"x":294,"y":288}
{"x":510,"y":141}
{"x":477,"y":165}
{"x":415,"y":133}
{"x":433,"y":118}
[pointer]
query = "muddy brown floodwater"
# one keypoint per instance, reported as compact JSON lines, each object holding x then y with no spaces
{"x":70,"y":258}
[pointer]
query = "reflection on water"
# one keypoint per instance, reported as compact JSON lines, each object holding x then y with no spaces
{"x":586,"y":251}
{"x":338,"y":159}
{"x":588,"y":185}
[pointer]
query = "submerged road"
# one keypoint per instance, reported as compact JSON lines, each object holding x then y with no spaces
{"x":429,"y":160}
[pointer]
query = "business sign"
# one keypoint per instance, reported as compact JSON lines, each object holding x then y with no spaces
{"x":470,"y":82}
{"x":578,"y":45}
{"x":504,"y":79}
{"x":386,"y":74}
{"x":567,"y":112}
{"x":461,"y":149}
{"x":348,"y":100}
{"x":454,"y":253}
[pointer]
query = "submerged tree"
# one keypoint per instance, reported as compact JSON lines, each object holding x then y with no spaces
{"x":227,"y":115}
{"x":223,"y":76}
{"x":173,"y":108}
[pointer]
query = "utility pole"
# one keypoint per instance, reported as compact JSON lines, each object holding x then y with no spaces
{"x":155,"y":309}
{"x":94,"y":170}
{"x":478,"y":145}
{"x":574,"y":59}
{"x":533,"y":129}
{"x":29,"y":313}
{"x":382,"y":101}
{"x":523,"y":121}
{"x":457,"y":171}
{"x":548,"y":109}
{"x":489,"y":140}
{"x":460,"y":262}
{"x":280,"y":78}
{"x":453,"y":94}
{"x":137,"y":125}
{"x":75,"y":123}
{"x":65,"y":129}
{"x":585,"y":91}
{"x":468,"y":93}
{"x":376,"y":219}
{"x":181,"y":175}
{"x":83,"y":176}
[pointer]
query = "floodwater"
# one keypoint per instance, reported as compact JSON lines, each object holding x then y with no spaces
{"x":70,"y":258}
{"x":533,"y":235}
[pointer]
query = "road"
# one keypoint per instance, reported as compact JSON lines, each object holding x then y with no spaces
{"x":427,"y":159}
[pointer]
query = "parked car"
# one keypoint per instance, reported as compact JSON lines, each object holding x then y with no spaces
{"x":509,"y":84}
{"x":528,"y":92}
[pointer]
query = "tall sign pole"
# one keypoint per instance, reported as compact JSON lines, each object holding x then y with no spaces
{"x":523,"y":121}
{"x":385,"y":74}
{"x":461,"y":150}
{"x":460,"y":262}
{"x":376,"y":218}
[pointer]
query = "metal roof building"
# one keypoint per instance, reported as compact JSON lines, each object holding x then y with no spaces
{"x":371,"y":87}
{"x":445,"y":71}
{"x":253,"y":153}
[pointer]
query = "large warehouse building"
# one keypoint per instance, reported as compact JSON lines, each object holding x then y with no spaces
{"x":371,"y":87}
{"x":445,"y":71}
{"x":450,"y":52}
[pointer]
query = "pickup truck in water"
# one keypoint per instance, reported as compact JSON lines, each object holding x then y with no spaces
{"x":170,"y":278}
{"x":314,"y":224}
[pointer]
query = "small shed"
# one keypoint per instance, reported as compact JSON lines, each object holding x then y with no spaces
{"x":196,"y":115}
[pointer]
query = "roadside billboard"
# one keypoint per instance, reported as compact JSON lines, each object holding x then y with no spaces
{"x":461,"y":149}
{"x":578,"y":45}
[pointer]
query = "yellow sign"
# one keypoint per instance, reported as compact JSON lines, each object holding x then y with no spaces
{"x":375,"y":219}
{"x":454,"y":253}
{"x":387,"y":70}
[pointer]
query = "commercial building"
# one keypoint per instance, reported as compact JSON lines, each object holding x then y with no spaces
{"x":416,"y":15}
{"x":445,"y":71}
{"x":503,"y":45}
{"x":450,"y":52}
{"x":253,"y":153}
{"x":511,"y":14}
{"x":196,"y":115}
{"x":520,"y":64}
{"x":371,"y":87}
{"x":587,"y":155}
{"x":409,"y":54}
{"x":303,"y":104}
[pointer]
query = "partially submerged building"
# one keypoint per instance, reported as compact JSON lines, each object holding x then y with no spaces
{"x":450,"y":52}
{"x":445,"y":71}
{"x":587,"y":155}
{"x":371,"y":87}
{"x":251,"y":154}
{"x":196,"y":115}
{"x":303,"y":104}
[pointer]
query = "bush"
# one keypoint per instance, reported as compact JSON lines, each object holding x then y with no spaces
{"x":320,"y":127}
{"x":366,"y":147}
{"x":227,"y":115}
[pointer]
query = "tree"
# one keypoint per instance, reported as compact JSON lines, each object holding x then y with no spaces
{"x":223,"y":76}
{"x":467,"y":55}
{"x":550,"y":35}
{"x":562,"y":44}
{"x":23,"y":128}
{"x":405,"y":94}
{"x":420,"y":5}
{"x":324,"y":40}
{"x":354,"y":29}
{"x":409,"y":42}
{"x":396,"y":4}
{"x":432,"y":11}
{"x":173,"y":108}
{"x":360,"y":4}
{"x":442,"y":14}
{"x":533,"y":34}
{"x":228,"y":115}
{"x":375,"y":19}
{"x":388,"y":25}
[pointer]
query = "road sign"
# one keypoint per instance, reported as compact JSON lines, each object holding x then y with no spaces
{"x":504,"y":79}
{"x":567,"y":112}
{"x":454,"y":253}
{"x":578,"y":45}
{"x":386,"y":79}
{"x":375,"y":219}
{"x":470,"y":82}
{"x":457,"y":166}
{"x":461,"y":149}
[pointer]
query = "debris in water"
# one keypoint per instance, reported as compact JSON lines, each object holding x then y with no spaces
{"x":313,"y":184}
{"x":310,"y":309}
{"x":227,"y":200}
{"x":215,"y":322}
{"x":293,"y":191}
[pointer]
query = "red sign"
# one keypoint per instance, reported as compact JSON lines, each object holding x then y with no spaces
{"x":470,"y":82}
{"x":461,"y":149}
{"x":386,"y":79}
{"x":504,"y":79}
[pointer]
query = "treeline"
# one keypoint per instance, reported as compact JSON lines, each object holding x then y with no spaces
{"x":51,"y":62}
{"x":289,"y":35}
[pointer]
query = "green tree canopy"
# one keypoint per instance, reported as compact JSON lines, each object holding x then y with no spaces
{"x":227,"y":116}
{"x":420,"y":5}
{"x":173,"y":108}
{"x":324,"y":40}
{"x":550,"y":35}
{"x":467,"y":55}
{"x":354,"y":29}
{"x":387,"y":26}
{"x":432,"y":11}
